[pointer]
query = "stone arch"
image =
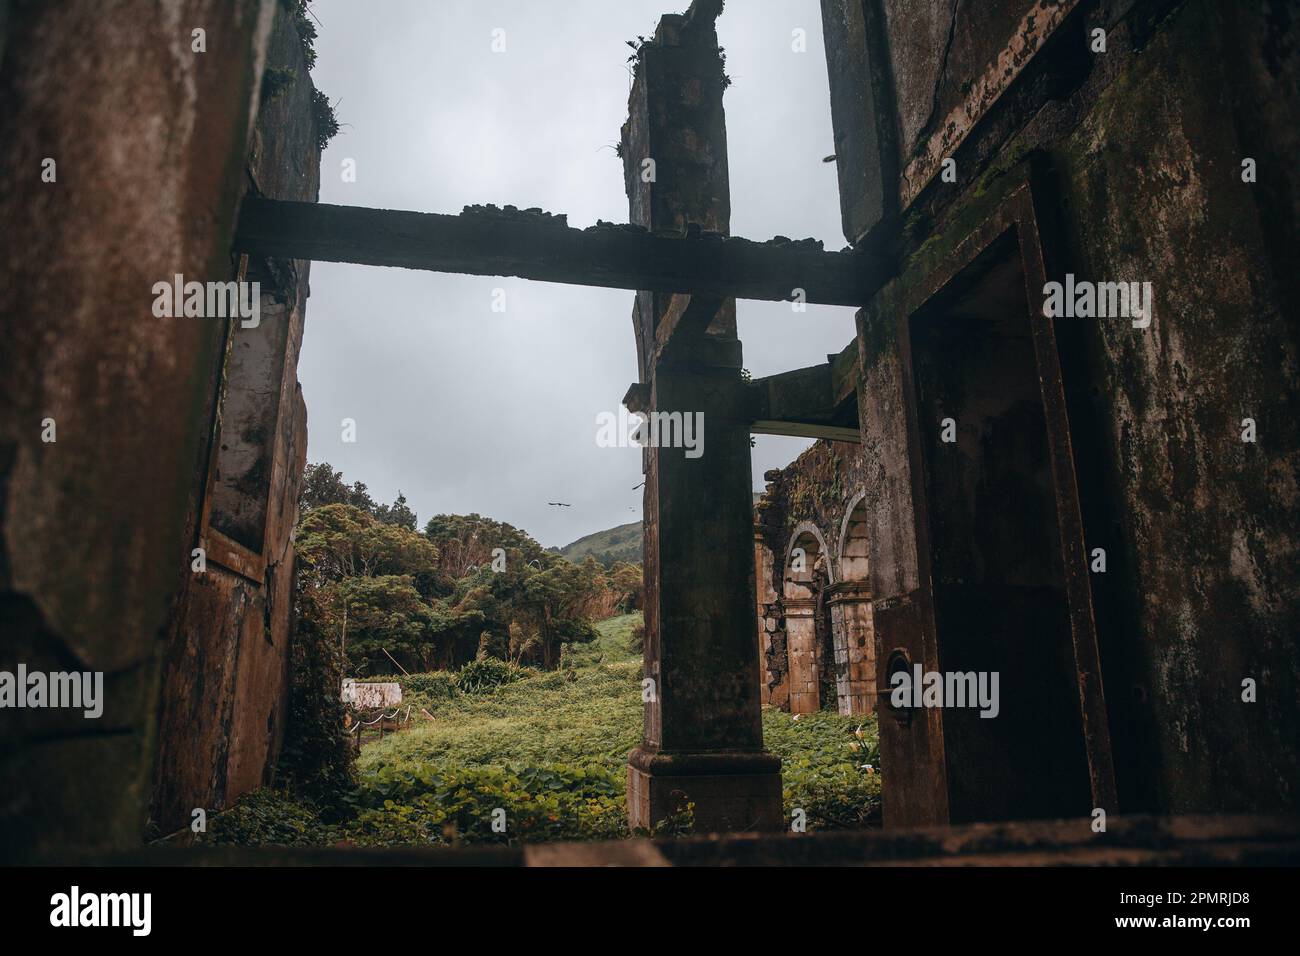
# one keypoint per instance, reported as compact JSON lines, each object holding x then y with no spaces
{"x":852,"y":625}
{"x":853,"y":551}
{"x":807,"y":531}
{"x":803,"y":598}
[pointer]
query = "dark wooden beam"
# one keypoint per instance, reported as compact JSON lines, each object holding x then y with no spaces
{"x":537,"y":246}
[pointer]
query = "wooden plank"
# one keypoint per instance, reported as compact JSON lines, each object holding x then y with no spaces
{"x":541,"y":247}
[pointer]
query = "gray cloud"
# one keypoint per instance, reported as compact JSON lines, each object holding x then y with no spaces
{"x":465,"y":409}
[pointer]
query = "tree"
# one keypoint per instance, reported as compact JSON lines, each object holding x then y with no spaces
{"x":383,"y":613}
{"x":552,"y":597}
{"x":629,"y":581}
{"x":339,"y":541}
{"x":364,"y":577}
{"x":397,"y":513}
{"x":468,"y":541}
{"x":371,"y":583}
{"x":322,"y":486}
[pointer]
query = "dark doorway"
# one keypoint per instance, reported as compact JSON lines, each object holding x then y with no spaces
{"x":996,"y":566}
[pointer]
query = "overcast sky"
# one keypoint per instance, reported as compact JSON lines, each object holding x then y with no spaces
{"x":469,"y":410}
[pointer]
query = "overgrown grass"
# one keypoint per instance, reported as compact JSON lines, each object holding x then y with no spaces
{"x":550,"y":750}
{"x":589,"y":710}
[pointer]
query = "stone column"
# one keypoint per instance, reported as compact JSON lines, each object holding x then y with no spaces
{"x":855,"y":647}
{"x":703,"y":740}
{"x":764,"y":597}
{"x":801,"y":642}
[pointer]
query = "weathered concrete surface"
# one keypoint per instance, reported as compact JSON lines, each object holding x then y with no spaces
{"x":854,"y":646}
{"x":1138,"y":177}
{"x":368,"y":696}
{"x":224,"y":696}
{"x":951,"y":64}
{"x":774,"y":689}
{"x":1205,"y":525}
{"x":803,"y":402}
{"x":862,"y":113}
{"x":148,"y":139}
{"x":703,"y":733}
{"x":544,"y":248}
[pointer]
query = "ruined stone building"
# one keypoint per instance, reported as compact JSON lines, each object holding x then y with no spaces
{"x":816,"y":644}
{"x":1111,"y":142}
{"x":1102,"y":510}
{"x":172,"y":434}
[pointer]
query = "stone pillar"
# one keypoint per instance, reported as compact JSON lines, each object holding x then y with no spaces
{"x":801,"y":642}
{"x":855,"y":647}
{"x":703,"y":740}
{"x":764,"y":597}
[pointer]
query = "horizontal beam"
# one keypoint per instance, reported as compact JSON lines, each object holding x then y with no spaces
{"x":803,"y":403}
{"x":802,"y":430}
{"x":488,"y":241}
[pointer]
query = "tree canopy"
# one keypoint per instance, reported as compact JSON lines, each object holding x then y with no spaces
{"x":468,"y":587}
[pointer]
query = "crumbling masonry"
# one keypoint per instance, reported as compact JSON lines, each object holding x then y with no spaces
{"x":1071,"y":502}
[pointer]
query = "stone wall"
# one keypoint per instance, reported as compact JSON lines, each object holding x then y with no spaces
{"x":225,"y":678}
{"x":1115,"y":164}
{"x":148,"y":139}
{"x":814,"y":607}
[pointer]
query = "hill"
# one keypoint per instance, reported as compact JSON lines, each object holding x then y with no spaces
{"x":615,"y":544}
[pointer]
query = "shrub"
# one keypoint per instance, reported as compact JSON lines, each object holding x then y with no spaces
{"x":434,"y":684}
{"x":438,"y":685}
{"x":455,"y":804}
{"x":485,"y":675}
{"x":316,"y":761}
{"x":824,"y":768}
{"x":275,"y":80}
{"x":267,"y":817}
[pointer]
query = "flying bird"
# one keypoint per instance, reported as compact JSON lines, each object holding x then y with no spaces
{"x":558,"y":504}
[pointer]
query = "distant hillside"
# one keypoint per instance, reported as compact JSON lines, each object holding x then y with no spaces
{"x":617,"y":544}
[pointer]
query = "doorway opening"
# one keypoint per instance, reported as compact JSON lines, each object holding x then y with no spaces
{"x":995,"y":547}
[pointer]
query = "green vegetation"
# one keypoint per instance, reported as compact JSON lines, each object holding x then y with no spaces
{"x":326,"y":123}
{"x":550,"y":749}
{"x":468,"y":588}
{"x":316,"y":761}
{"x":610,"y":546}
{"x":615,"y":544}
{"x":275,"y":80}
